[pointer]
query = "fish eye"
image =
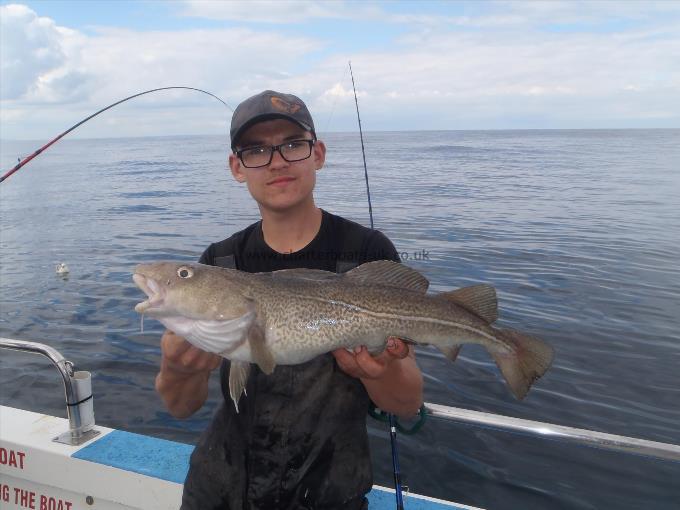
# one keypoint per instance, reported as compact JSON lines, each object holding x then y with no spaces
{"x":185,"y":272}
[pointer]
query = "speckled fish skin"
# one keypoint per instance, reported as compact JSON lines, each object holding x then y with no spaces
{"x":300,"y":314}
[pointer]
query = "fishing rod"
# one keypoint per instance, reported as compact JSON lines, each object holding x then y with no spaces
{"x":363,"y":152}
{"x":23,"y":162}
{"x":398,"y":491}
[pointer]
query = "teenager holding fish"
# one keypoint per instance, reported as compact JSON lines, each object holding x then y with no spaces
{"x":298,"y":440}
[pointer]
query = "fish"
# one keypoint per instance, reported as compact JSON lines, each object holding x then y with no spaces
{"x":291,"y":316}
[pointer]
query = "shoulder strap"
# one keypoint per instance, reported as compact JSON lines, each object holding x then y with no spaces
{"x":230,"y":251}
{"x":350,"y":248}
{"x":228,"y":261}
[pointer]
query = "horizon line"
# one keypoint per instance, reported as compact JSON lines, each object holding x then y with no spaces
{"x":76,"y":137}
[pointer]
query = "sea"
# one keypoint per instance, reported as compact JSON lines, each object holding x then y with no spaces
{"x":578,"y":230}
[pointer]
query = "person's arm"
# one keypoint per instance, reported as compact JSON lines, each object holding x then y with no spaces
{"x":183,"y":378}
{"x":392,"y":379}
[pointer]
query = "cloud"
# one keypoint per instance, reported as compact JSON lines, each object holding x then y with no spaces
{"x":94,"y":70}
{"x":275,"y":11}
{"x":431,"y":76}
{"x":338,"y":90}
{"x":299,"y":11}
{"x":490,"y":14}
{"x":451,"y":79}
{"x":578,"y":11}
{"x":32,"y":47}
{"x":227,"y":62}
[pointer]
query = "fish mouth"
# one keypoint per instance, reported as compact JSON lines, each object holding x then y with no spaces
{"x":152,"y":290}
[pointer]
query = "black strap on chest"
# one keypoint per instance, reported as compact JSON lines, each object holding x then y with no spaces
{"x":227,"y":261}
{"x":230,"y":251}
{"x":350,"y":250}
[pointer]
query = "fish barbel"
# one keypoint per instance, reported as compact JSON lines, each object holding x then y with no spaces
{"x":291,"y":316}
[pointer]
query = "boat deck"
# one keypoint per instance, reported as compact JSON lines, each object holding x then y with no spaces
{"x":115,"y":470}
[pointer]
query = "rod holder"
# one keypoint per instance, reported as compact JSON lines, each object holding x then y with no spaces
{"x":83,"y":391}
{"x":77,"y":387}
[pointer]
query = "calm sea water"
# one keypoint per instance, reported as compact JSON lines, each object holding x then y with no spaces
{"x":577,"y":230}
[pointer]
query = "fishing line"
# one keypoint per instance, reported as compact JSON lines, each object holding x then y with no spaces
{"x":393,"y":430}
{"x":335,"y":101}
{"x":363,"y":152}
{"x":23,"y":162}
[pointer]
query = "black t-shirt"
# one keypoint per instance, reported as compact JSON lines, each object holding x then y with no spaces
{"x":339,"y":245}
{"x":299,"y":440}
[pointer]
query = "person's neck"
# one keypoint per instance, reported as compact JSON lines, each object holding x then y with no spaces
{"x":290,"y":231}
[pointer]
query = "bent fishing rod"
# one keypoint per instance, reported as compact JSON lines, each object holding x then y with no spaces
{"x":27,"y":159}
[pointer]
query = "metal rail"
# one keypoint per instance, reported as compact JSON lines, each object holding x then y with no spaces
{"x":585,"y":437}
{"x":76,"y":435}
{"x":664,"y":451}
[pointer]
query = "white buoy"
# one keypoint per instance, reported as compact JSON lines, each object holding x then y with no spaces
{"x":62,"y":268}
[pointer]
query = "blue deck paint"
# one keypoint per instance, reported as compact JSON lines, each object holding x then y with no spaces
{"x":379,"y":499}
{"x":169,"y":460}
{"x":146,"y":455}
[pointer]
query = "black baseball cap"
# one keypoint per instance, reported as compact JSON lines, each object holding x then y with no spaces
{"x":269,"y":105}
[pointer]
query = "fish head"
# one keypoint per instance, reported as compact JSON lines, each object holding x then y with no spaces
{"x":191,"y":291}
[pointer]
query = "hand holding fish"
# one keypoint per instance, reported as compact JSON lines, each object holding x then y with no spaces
{"x":391,"y":378}
{"x":183,"y":379}
{"x":182,"y":357}
{"x":362,"y":364}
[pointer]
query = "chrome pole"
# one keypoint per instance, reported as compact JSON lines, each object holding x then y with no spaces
{"x":65,"y":367}
{"x":585,"y":437}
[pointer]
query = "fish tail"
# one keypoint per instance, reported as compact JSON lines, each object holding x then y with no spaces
{"x":528,"y":360}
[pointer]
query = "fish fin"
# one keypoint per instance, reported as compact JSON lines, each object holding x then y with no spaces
{"x":388,"y":272}
{"x":450,"y":352}
{"x":315,"y":275}
{"x":221,"y":337}
{"x":261,"y":354}
{"x":238,"y":376}
{"x":529,"y":360}
{"x":478,"y":299}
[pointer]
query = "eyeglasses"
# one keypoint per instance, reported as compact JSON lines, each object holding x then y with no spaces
{"x":291,"y":151}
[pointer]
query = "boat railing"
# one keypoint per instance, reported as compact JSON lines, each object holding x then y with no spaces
{"x":79,"y":407}
{"x":654,"y":449}
{"x":77,"y":387}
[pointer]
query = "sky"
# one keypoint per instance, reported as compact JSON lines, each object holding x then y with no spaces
{"x":417,"y":65}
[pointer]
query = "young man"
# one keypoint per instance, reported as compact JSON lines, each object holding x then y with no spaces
{"x":299,"y":439}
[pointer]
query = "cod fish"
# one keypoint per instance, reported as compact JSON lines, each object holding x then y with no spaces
{"x":291,"y":316}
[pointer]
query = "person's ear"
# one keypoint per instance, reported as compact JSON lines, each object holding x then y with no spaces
{"x":319,"y":154}
{"x":236,"y":168}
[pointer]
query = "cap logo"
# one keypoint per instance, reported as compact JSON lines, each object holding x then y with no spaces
{"x":284,"y":106}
